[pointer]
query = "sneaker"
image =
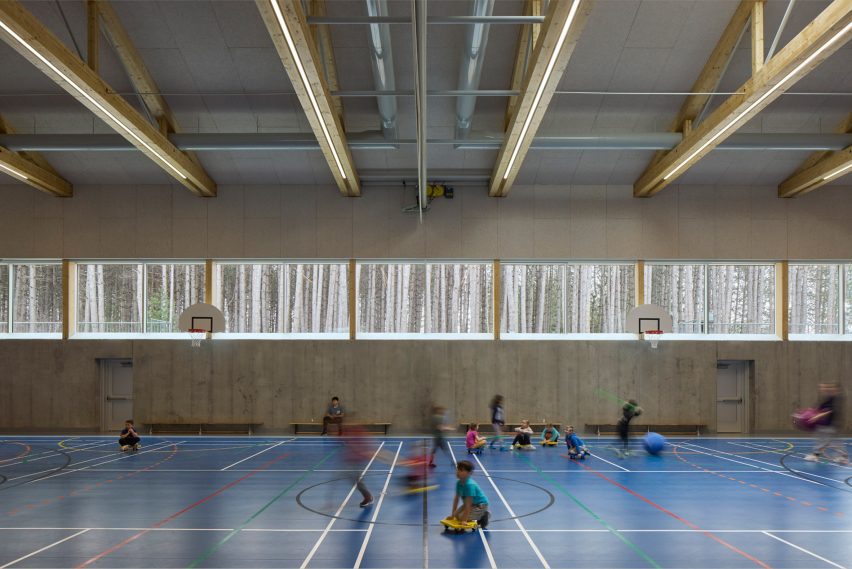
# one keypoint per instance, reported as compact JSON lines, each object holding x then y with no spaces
{"x":483,"y":522}
{"x":137,"y":446}
{"x":528,"y":447}
{"x":841,"y":461}
{"x":432,"y":465}
{"x":125,"y":448}
{"x":366,"y":502}
{"x":323,"y":434}
{"x":812,"y":457}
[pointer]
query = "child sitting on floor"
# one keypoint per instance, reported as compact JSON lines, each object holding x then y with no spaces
{"x":522,"y":439}
{"x":576,"y":446}
{"x":473,"y":440}
{"x":474,"y":504}
{"x":550,"y":434}
{"x":129,"y":440}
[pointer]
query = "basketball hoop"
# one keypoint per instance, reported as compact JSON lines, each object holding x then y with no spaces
{"x":197,"y":334}
{"x":653,"y":336}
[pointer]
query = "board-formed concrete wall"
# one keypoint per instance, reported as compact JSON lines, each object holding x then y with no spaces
{"x":55,"y":385}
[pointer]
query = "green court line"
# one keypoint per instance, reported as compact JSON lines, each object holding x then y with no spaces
{"x":215,"y":547}
{"x":589,"y":511}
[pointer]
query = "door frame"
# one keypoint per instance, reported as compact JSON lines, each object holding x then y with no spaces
{"x":103,"y":366}
{"x":748,"y":394}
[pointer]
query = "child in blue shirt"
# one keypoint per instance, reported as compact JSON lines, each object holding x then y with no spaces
{"x":576,"y":446}
{"x":474,"y":504}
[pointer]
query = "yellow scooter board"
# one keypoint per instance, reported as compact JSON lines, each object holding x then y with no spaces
{"x":549,"y":443}
{"x":452,"y":524}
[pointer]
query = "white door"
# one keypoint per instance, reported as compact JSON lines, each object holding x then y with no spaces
{"x":117,"y":382}
{"x":730,"y":396}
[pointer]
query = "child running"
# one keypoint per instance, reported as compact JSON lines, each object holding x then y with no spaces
{"x":472,"y":439}
{"x":474,"y":504}
{"x":129,"y":440}
{"x":522,"y":439}
{"x":827,"y":420}
{"x":576,"y":446}
{"x":629,"y":410}
{"x":439,"y":426}
{"x":550,"y":434}
{"x":498,"y":419}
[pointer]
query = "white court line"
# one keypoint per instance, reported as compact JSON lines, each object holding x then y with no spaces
{"x":512,"y":513}
{"x":163,"y":529}
{"x":72,"y":470}
{"x":485,"y":543}
{"x":256,"y":454}
{"x":30,"y":475}
{"x":778,"y":472}
{"x":811,"y":553}
{"x":608,"y":462}
{"x":45,"y":548}
{"x":793,"y":454}
{"x":273,"y":470}
{"x":376,"y":511}
{"x":52,"y":454}
{"x":788,"y":468}
{"x":339,"y":510}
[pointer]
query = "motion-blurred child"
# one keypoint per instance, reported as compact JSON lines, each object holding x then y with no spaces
{"x":473,"y":440}
{"x":827,"y":420}
{"x":550,"y":434}
{"x":358,"y":451}
{"x":522,"y":438}
{"x":129,"y":440}
{"x":439,"y":428}
{"x":629,"y":410}
{"x":474,"y":503}
{"x":576,"y":446}
{"x":498,"y":420}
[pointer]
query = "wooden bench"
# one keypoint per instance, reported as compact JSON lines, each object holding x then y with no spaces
{"x":662,"y":429}
{"x":203,"y":428}
{"x":509,"y":427}
{"x":315,"y":427}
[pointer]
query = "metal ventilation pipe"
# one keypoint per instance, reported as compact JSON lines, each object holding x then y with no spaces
{"x":470,"y":70}
{"x":383,"y":74}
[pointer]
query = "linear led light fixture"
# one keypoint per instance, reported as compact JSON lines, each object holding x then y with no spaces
{"x":774,"y":88}
{"x":542,"y":84}
{"x":836,"y":173}
{"x":15,"y":173}
{"x":89,"y":98}
{"x":307,"y":85}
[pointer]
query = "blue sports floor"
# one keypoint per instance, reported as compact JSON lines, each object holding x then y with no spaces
{"x":286,"y":502}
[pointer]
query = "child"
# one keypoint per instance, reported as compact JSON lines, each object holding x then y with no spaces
{"x":827,"y":421}
{"x":439,"y":425}
{"x":474,"y":504}
{"x":357,"y":450}
{"x":498,"y":419}
{"x":629,"y":410}
{"x":576,"y":446}
{"x":334,"y":414}
{"x":129,"y":440}
{"x":473,"y":440}
{"x":550,"y":434}
{"x":522,"y":439}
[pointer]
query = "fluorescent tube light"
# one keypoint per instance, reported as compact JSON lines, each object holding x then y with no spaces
{"x":837,"y":172}
{"x":14,"y":172}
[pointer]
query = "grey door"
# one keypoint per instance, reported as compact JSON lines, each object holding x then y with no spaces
{"x":730,"y":396}
{"x":117,"y":389}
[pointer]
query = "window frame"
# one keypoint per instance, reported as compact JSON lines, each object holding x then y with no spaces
{"x":842,"y":335}
{"x":10,"y":265}
{"x":217,"y":290}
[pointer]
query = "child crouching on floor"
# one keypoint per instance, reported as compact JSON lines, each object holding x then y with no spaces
{"x":473,"y":440}
{"x":522,"y":439}
{"x":550,"y":434}
{"x":576,"y":446}
{"x":474,"y":503}
{"x":129,"y":440}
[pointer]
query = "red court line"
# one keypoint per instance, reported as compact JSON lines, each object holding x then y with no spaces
{"x":25,"y":452}
{"x":678,"y":518}
{"x":164,"y":521}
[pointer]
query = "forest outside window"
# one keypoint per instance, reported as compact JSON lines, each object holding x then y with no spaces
{"x":815,"y":298}
{"x":561,"y":298}
{"x":425,"y":298}
{"x":284,"y":298}
{"x":31,"y":298}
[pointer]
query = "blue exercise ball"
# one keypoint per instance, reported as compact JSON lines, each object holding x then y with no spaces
{"x":654,"y":443}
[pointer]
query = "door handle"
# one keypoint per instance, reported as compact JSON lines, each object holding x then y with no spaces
{"x":119,"y":399}
{"x":730,"y":400}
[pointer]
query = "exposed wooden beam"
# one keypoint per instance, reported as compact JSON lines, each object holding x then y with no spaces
{"x":497,"y":283}
{"x":827,"y":33}
{"x":351,"y":282}
{"x":639,"y":281}
{"x":292,"y":38}
{"x":789,"y":188}
{"x":527,"y":38}
{"x":322,"y":37}
{"x":782,"y":306}
{"x":836,"y":165}
{"x":43,"y":177}
{"x":93,"y":35}
{"x":757,"y":52}
{"x":24,"y":33}
{"x":69,"y":298}
{"x":561,"y":31}
{"x":712,"y":72}
{"x":134,"y":66}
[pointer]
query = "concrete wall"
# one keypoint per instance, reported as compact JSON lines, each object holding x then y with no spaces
{"x":55,"y":385}
{"x":594,"y":222}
